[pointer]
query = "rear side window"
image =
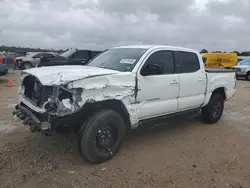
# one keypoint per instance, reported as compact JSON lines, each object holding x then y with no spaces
{"x":186,"y":62}
{"x":47,"y":55}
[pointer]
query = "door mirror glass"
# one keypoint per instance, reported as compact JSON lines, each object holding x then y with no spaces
{"x":151,"y":69}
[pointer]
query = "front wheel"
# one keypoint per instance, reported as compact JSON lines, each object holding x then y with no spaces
{"x":213,"y":111}
{"x":102,"y":136}
{"x":26,"y":65}
{"x":248,"y":76}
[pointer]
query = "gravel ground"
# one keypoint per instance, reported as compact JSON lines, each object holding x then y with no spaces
{"x":184,"y":153}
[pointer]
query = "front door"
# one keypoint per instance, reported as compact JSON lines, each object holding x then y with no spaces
{"x":158,"y":90}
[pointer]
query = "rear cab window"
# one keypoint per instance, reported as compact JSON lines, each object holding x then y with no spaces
{"x":186,"y":62}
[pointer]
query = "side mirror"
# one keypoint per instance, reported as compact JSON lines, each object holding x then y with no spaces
{"x":151,"y":69}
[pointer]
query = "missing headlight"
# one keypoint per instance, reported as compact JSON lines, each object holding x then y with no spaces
{"x":64,"y":94}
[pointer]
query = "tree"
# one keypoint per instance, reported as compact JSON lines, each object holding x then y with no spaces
{"x":238,"y":53}
{"x":203,"y":51}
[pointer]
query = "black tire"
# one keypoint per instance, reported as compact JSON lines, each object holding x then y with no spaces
{"x":248,"y":76}
{"x":105,"y":127}
{"x":237,"y":77}
{"x":26,"y":65}
{"x":213,"y":111}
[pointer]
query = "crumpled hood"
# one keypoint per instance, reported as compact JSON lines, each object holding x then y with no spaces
{"x":59,"y":75}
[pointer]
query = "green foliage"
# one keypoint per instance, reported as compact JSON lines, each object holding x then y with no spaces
{"x":24,"y":50}
{"x":203,"y":51}
{"x":245,"y":53}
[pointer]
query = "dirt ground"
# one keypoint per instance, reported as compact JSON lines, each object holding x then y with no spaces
{"x":184,"y":153}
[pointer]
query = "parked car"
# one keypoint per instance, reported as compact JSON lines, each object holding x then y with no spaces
{"x":116,"y":92}
{"x":33,"y":59}
{"x":220,"y":60}
{"x":70,"y":57}
{"x":3,"y":66}
{"x":243,"y":69}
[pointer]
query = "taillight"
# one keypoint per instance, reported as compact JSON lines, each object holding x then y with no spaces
{"x":2,"y":60}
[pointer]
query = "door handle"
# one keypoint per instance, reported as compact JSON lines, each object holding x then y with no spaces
{"x":200,"y":80}
{"x":174,"y":82}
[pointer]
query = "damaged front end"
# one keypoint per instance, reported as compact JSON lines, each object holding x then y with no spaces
{"x":44,"y":107}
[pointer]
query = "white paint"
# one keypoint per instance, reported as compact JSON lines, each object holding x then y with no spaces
{"x":157,"y":95}
{"x":220,"y":80}
{"x":66,"y":103}
{"x":58,"y":75}
{"x":192,"y":89}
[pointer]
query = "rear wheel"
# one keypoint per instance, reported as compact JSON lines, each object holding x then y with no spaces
{"x":213,"y":111}
{"x":102,"y":136}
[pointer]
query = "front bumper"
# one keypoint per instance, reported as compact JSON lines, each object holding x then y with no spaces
{"x":44,"y":122}
{"x":36,"y":121}
{"x":241,"y":73}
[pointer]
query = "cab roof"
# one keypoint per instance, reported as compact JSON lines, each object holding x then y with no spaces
{"x":152,"y":47}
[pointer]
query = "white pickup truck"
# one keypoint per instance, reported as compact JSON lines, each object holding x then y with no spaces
{"x":119,"y":90}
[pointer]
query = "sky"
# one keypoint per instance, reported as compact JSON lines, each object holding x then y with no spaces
{"x":100,"y":24}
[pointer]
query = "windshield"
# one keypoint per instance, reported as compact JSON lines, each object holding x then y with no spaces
{"x":244,"y":62}
{"x":121,"y":59}
{"x":67,"y":53}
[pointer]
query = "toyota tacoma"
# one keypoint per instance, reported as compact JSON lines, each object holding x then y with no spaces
{"x":119,"y":90}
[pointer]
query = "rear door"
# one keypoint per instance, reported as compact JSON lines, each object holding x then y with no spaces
{"x":192,"y":80}
{"x":80,"y":57}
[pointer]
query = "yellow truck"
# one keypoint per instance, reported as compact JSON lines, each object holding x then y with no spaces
{"x":220,"y":60}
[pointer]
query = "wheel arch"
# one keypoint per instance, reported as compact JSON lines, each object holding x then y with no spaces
{"x":90,"y":108}
{"x":220,"y":90}
{"x":23,"y":62}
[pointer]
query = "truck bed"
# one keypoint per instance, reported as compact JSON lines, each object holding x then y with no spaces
{"x":218,"y":70}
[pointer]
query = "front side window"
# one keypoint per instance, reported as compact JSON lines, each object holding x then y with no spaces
{"x":186,"y":62}
{"x":120,"y":59}
{"x":160,"y":62}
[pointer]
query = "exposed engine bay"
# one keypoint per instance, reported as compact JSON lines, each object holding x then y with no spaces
{"x":52,"y":102}
{"x":67,"y":95}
